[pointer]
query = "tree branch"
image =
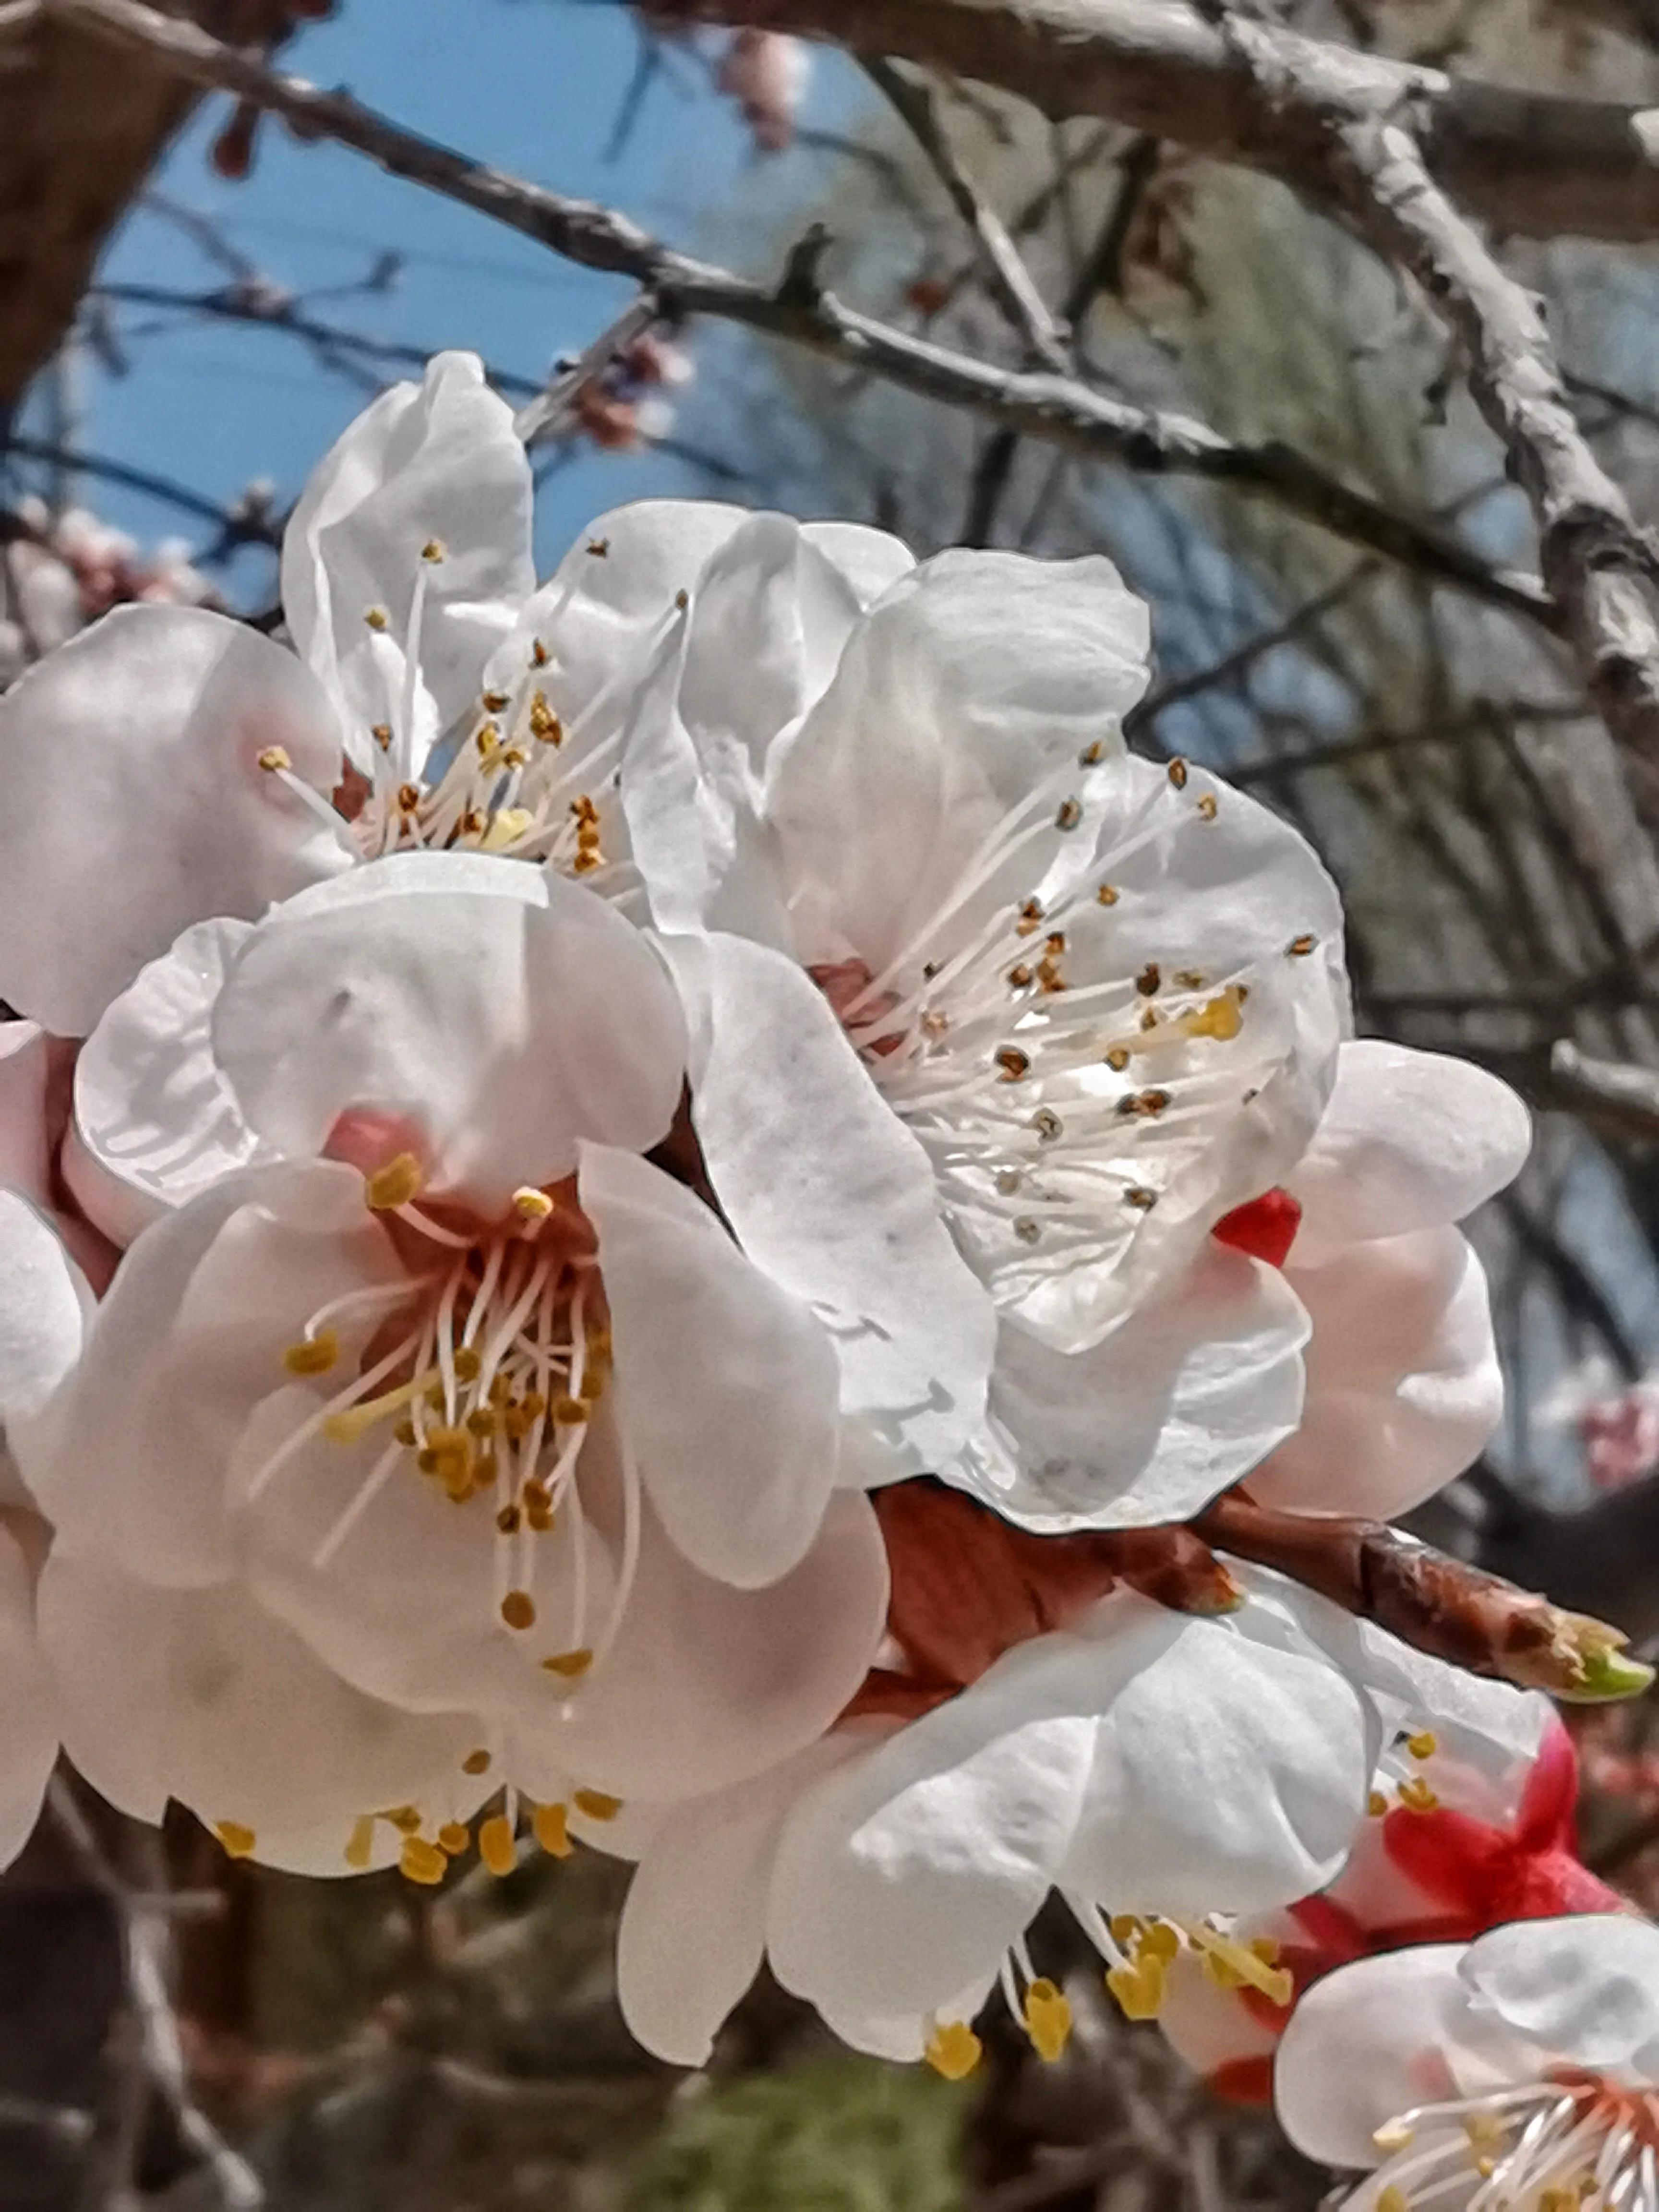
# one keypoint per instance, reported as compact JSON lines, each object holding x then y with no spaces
{"x":1535,"y":165}
{"x":1055,"y":409}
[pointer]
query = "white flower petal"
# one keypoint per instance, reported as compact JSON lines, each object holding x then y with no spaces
{"x":726,"y":1384}
{"x":129,"y":1458}
{"x":28,"y":1705}
{"x":1408,"y":1141}
{"x":1366,"y":2044}
{"x":200,"y":1695}
{"x":706,"y":1685}
{"x":108,"y":850}
{"x":971,"y":679}
{"x":693,"y":1927}
{"x":26,"y":1074}
{"x":1585,"y":1987}
{"x":441,"y":461}
{"x":833,"y":1197}
{"x":500,"y":1012}
{"x":45,"y":1305}
{"x":1404,"y":1385}
{"x":1177,"y":1404}
{"x":154,"y":1121}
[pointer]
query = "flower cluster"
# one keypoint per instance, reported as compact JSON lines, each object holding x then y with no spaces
{"x":648,"y":1209}
{"x":63,"y":571}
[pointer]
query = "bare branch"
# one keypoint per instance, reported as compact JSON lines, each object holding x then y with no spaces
{"x":1011,"y":280}
{"x":1055,"y":409}
{"x":1537,"y":165}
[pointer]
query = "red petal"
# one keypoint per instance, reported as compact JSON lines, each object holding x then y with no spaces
{"x":1265,"y":1227}
{"x":1457,"y":1859}
{"x":1245,"y":2080}
{"x":1545,"y":1820}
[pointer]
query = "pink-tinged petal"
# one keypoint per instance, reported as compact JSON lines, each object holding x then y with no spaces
{"x":503,"y":1012}
{"x":26,"y":1074}
{"x":28,"y":1705}
{"x":108,"y":851}
{"x":45,"y":1305}
{"x":693,"y":1927}
{"x":1377,"y":2038}
{"x":1408,"y":1141}
{"x":436,"y":463}
{"x":706,"y":1685}
{"x":129,"y":1458}
{"x":1404,"y":1386}
{"x":726,"y":1384}
{"x":199,"y":1695}
{"x":154,"y":1121}
{"x":833,"y":1197}
{"x":1182,"y":1400}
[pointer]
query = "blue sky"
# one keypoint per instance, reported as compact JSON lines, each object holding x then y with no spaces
{"x":535,"y":87}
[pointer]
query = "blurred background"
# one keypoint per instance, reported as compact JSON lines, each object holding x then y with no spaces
{"x":192,"y":307}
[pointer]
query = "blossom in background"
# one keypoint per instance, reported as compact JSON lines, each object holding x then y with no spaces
{"x":1463,"y":1834}
{"x":766,"y":73}
{"x":436,"y":1439}
{"x":1615,"y":1420}
{"x":1520,"y":2069}
{"x":61,"y":571}
{"x":1164,"y":1771}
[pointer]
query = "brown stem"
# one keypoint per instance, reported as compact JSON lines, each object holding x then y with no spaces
{"x":1439,"y":1605}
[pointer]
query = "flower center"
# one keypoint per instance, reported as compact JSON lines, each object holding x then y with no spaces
{"x":1058,"y":1090}
{"x":1549,"y":2147}
{"x":481,"y":1370}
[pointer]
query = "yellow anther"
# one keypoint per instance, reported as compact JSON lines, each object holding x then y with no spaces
{"x":475,"y":1762}
{"x":1092,"y":755}
{"x":1485,"y":2130}
{"x":1565,"y":2199}
{"x":1177,"y":773}
{"x":1393,"y":2135}
{"x":1014,"y":1064}
{"x":585,"y":863}
{"x":454,"y":1838}
{"x":493,"y":702}
{"x":312,"y":1355}
{"x":409,"y":798}
{"x":571,"y":1665}
{"x":482,"y":1421}
{"x":1424,"y":1744}
{"x":508,"y":1520}
{"x":1048,"y":2019}
{"x":1300,"y":947}
{"x":405,"y":1819}
{"x":1149,"y":980}
{"x":467,"y":1364}
{"x":519,"y":1609}
{"x":1207,"y":805}
{"x":508,"y":825}
{"x":1221,"y":1018}
{"x":360,"y":1844}
{"x":237,"y":1840}
{"x":405,"y":1433}
{"x":495,"y":1846}
{"x":433,"y":549}
{"x":1416,"y":1797}
{"x":394,"y":1184}
{"x":544,"y":725}
{"x":1233,"y":1965}
{"x":1118,"y":1059}
{"x":531,"y":1204}
{"x":1030,"y":917}
{"x":274,"y":758}
{"x":1070,"y":814}
{"x":1376,"y":1804}
{"x":1125,"y":1927}
{"x":381,"y":733}
{"x":1392,"y":2199}
{"x":551,"y":1831}
{"x":1107,"y":894}
{"x":538,"y":654}
{"x":597,"y":1804}
{"x":1138,"y":1989}
{"x":420,"y":1860}
{"x":1140,"y":1198}
{"x":376,"y":617}
{"x":953,"y":2050}
{"x":569,"y":1413}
